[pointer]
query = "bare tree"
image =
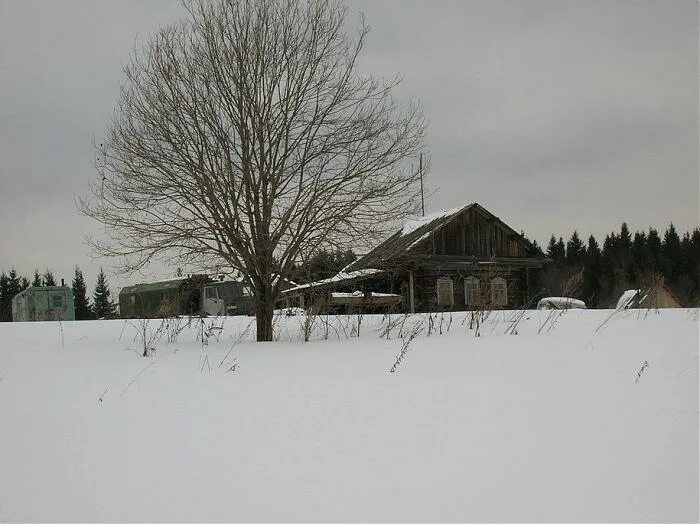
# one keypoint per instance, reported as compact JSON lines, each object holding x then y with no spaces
{"x":245,"y":136}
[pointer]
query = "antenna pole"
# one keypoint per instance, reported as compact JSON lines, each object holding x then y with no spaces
{"x":420,"y":169}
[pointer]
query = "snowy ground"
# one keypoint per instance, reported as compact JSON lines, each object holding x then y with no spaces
{"x":559,"y":425}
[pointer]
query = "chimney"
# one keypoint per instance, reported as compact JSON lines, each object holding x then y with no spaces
{"x":63,"y":282}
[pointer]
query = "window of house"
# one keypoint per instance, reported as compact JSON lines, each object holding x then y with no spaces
{"x":445,"y":292}
{"x":56,"y":301}
{"x":132,"y":299}
{"x":472,"y":291}
{"x":499,"y":292}
{"x":210,"y":292}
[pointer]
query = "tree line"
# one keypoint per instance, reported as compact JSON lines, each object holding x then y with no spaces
{"x":599,"y":274}
{"x":101,"y":305}
{"x":624,"y":261}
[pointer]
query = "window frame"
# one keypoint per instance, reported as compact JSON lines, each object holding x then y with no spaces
{"x":445,"y":280}
{"x":58,"y":301}
{"x":468,"y":282}
{"x":499,"y":281}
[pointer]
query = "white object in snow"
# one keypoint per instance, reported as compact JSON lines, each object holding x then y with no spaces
{"x":561,"y":303}
{"x":628,"y":299}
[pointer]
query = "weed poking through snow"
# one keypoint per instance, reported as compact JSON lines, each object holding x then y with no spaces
{"x":147,"y":337}
{"x":102,"y":396}
{"x":641,"y":370}
{"x":234,"y":366}
{"x":235,"y":341}
{"x":134,"y":379}
{"x":405,"y":345}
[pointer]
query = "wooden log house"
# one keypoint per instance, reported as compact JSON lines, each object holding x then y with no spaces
{"x":460,"y":259}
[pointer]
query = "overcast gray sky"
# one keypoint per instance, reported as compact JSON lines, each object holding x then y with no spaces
{"x":554,"y":115}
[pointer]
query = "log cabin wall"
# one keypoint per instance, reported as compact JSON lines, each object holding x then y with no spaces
{"x":425,"y":287}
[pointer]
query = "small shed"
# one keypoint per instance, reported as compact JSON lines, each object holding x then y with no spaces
{"x":38,"y":303}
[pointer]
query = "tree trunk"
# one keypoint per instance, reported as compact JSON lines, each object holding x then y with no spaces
{"x":264,"y":307}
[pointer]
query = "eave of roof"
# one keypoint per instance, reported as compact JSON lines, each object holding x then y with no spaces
{"x":340,"y":278}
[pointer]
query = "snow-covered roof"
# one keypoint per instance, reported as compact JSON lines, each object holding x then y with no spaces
{"x":413,"y":223}
{"x":416,"y":230}
{"x":438,"y":218}
{"x":340,"y":277}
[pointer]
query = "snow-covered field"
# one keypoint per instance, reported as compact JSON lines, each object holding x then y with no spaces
{"x":568,"y":424}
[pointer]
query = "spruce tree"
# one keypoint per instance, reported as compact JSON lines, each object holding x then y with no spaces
{"x":592,"y":249}
{"x":607,"y":269}
{"x":103,"y":307}
{"x":49,"y":279}
{"x":36,"y":281}
{"x":552,"y":248}
{"x":625,"y":238}
{"x":671,"y":254}
{"x":532,"y":248}
{"x":654,"y":250}
{"x":10,"y":285}
{"x":622,"y":263}
{"x":574,"y":251}
{"x":5,"y":299}
{"x":591,"y":273}
{"x":686,"y":280}
{"x":536,"y":250}
{"x":556,"y":250}
{"x":640,"y":258}
{"x":695,"y":241}
{"x":695,"y":263}
{"x":24,"y":283}
{"x":80,"y":300}
{"x":15,"y":284}
{"x":561,"y":252}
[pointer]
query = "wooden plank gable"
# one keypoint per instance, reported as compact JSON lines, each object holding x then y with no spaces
{"x":473,"y":233}
{"x":469,"y":231}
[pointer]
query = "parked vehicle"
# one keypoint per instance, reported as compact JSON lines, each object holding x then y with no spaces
{"x":193,"y":295}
